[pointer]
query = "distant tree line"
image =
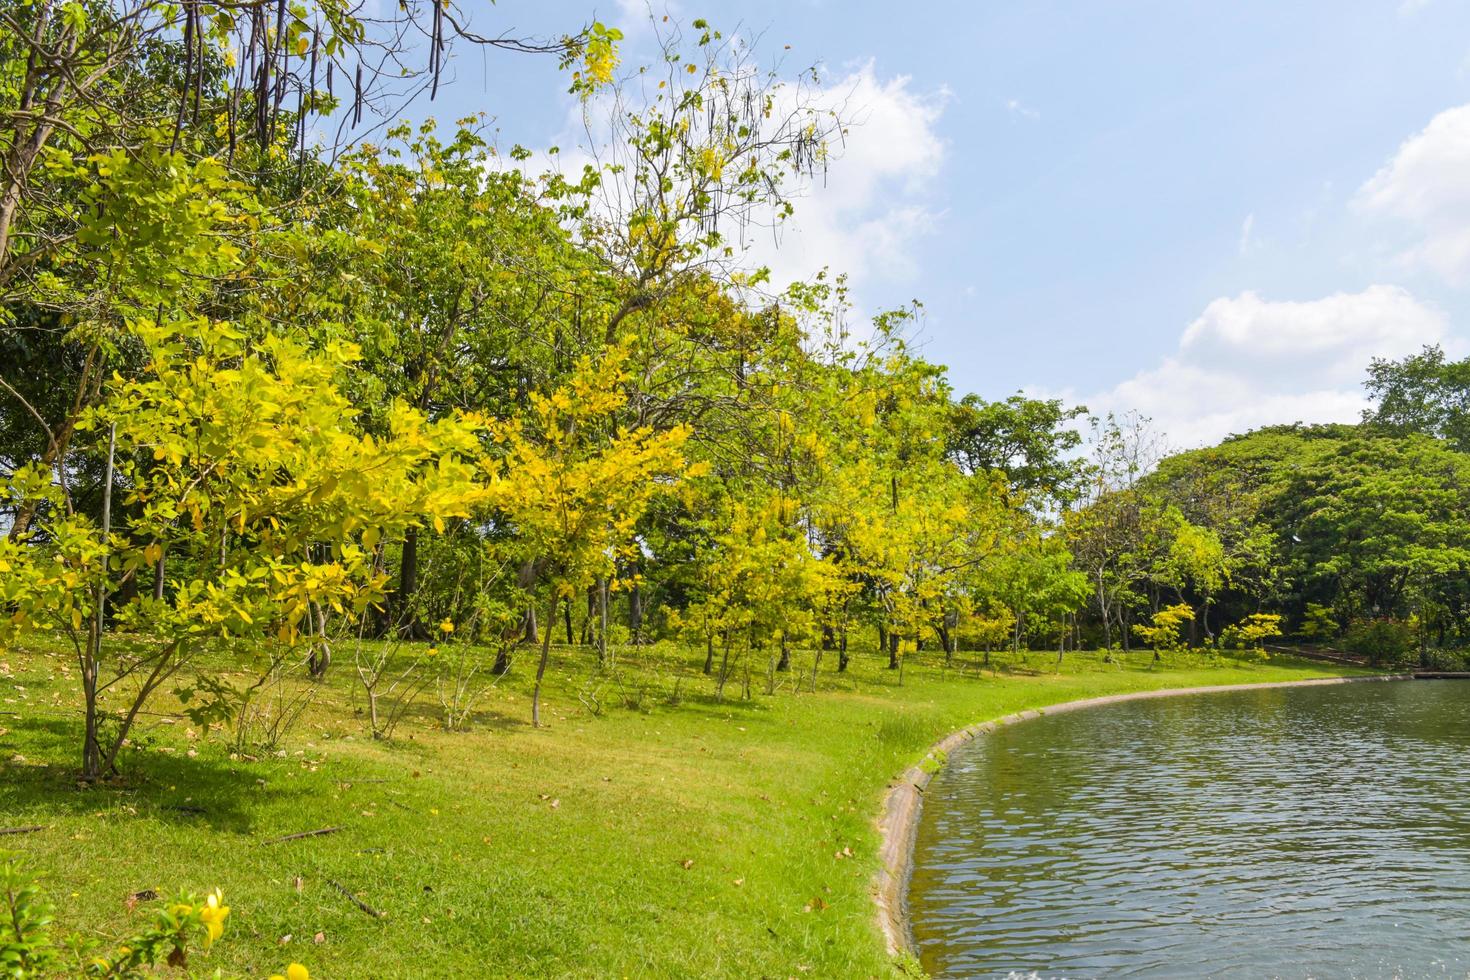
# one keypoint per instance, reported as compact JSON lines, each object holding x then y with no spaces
{"x":1357,"y":536}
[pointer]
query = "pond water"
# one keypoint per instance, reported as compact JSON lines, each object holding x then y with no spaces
{"x":1288,"y":832}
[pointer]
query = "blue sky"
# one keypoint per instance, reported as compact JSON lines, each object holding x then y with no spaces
{"x":1214,"y":213}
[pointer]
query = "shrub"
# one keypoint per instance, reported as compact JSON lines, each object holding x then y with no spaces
{"x":29,"y":949}
{"x":1319,"y":623}
{"x":1446,"y":660}
{"x":1383,"y":640}
{"x":1165,"y":631}
{"x":1252,"y":632}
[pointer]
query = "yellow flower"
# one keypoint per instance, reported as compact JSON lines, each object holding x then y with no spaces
{"x":213,"y":916}
{"x":297,"y":972}
{"x":431,"y":651}
{"x":446,"y":627}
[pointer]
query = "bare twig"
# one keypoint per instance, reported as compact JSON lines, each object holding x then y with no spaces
{"x":307,"y":833}
{"x":355,"y":900}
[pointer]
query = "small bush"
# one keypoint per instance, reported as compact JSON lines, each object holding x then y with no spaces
{"x":1165,"y":632}
{"x":1384,"y":640}
{"x":1319,"y":623}
{"x":1251,"y":633}
{"x":29,"y":949}
{"x":1446,"y":660}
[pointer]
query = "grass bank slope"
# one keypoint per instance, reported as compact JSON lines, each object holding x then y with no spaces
{"x":648,"y":830}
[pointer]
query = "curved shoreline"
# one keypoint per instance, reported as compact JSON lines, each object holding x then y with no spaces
{"x":903,"y":803}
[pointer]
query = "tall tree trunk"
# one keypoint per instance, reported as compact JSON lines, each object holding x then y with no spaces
{"x":784,"y":664}
{"x":545,"y":655}
{"x":566,"y":612}
{"x":530,"y":635}
{"x":602,"y":621}
{"x":408,"y":586}
{"x":92,"y":761}
{"x":709,"y":653}
{"x":128,"y":590}
{"x":587,"y":628}
{"x":893,"y":650}
{"x":946,"y":636}
{"x":724,"y":667}
{"x":635,"y":613}
{"x":842,"y":651}
{"x":320,"y":657}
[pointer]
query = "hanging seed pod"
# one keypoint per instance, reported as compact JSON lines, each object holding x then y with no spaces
{"x":357,"y":97}
{"x":198,"y":58}
{"x":283,"y":55}
{"x":436,"y":48}
{"x":315,"y":37}
{"x":184,"y":84}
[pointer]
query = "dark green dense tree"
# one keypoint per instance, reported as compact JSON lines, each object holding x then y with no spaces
{"x":1335,"y":527}
{"x":1425,"y":393}
{"x":1030,"y":440}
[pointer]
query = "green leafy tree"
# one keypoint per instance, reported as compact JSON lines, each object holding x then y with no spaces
{"x":1424,"y":393}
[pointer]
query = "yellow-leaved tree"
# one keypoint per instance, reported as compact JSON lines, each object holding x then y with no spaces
{"x":245,"y":463}
{"x":572,"y":484}
{"x":760,"y":584}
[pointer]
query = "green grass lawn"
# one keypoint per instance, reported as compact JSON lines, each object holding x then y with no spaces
{"x":681,"y":837}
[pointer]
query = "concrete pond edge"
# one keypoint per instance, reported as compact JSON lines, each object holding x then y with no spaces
{"x":903,"y":802}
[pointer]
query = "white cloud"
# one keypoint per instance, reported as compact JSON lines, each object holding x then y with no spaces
{"x":874,"y":203}
{"x":1424,"y":187}
{"x":1248,"y":361}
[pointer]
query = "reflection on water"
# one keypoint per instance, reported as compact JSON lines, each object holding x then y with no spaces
{"x":1306,"y":832}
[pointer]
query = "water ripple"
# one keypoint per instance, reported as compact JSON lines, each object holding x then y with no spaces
{"x":1310,"y":832}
